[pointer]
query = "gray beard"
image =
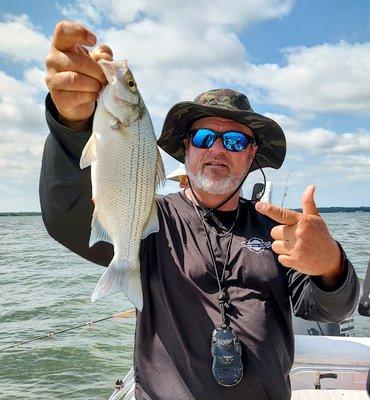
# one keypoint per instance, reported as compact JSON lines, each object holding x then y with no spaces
{"x":219,"y":186}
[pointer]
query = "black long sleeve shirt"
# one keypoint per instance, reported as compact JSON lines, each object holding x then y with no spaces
{"x":172,"y":356}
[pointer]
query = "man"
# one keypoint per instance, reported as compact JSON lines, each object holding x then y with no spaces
{"x":217,"y":266}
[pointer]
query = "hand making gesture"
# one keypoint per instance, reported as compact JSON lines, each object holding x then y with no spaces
{"x":303,"y":241}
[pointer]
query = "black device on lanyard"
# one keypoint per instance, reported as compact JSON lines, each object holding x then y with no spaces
{"x":226,"y":350}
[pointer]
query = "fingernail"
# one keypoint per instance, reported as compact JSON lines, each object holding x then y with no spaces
{"x":260,"y":206}
{"x":91,"y":38}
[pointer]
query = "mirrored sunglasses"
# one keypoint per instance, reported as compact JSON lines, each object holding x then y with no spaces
{"x":204,"y":138}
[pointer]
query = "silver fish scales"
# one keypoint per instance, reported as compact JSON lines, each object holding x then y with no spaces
{"x":126,"y":169}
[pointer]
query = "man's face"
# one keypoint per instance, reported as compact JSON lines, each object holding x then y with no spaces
{"x":217,"y":170}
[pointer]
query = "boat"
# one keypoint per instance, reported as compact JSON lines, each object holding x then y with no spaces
{"x":325,"y":368}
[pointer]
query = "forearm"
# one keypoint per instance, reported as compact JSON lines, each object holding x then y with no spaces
{"x":65,"y":192}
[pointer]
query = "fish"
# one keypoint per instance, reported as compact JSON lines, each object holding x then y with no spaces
{"x":126,"y":171}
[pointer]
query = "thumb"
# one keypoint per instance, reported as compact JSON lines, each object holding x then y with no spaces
{"x":308,"y":201}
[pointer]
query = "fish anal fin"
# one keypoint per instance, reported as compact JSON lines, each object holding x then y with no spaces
{"x":121,"y":276}
{"x":89,"y":152}
{"x":98,"y":233}
{"x":152,"y":224}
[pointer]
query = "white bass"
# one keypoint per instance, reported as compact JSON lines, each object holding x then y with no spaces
{"x":126,"y":169}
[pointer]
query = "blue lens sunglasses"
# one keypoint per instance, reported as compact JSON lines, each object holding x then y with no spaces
{"x":204,"y":138}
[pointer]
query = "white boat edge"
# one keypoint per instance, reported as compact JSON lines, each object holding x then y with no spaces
{"x":337,"y":363}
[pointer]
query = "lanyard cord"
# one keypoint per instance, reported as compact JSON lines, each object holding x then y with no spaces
{"x":223,"y":301}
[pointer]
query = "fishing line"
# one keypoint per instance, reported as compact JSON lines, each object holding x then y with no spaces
{"x":123,"y":314}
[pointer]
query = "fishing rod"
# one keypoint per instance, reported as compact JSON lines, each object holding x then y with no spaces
{"x":285,"y":194}
{"x":121,"y":315}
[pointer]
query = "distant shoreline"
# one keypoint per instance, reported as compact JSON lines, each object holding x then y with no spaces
{"x":322,"y":210}
{"x":325,"y":210}
{"x":19,"y":214}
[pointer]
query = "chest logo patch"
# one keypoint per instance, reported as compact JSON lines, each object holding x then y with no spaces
{"x":256,"y":244}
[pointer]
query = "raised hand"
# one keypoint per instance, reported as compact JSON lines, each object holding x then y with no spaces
{"x":74,"y":77}
{"x":303,"y":241}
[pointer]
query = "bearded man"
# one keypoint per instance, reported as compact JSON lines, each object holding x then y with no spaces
{"x":221,"y":276}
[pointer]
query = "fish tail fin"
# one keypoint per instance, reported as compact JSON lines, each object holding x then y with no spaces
{"x":89,"y":152}
{"x":121,"y":276}
{"x":160,"y":176}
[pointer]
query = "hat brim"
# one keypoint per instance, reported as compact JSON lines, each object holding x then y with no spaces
{"x":175,"y":175}
{"x":269,"y":136}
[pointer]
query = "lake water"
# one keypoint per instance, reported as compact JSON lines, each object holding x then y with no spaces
{"x":44,"y":288}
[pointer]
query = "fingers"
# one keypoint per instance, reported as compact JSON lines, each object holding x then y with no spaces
{"x":308,"y":201}
{"x":67,"y":100}
{"x":282,"y":247}
{"x":284,"y":232}
{"x":102,"y":52}
{"x":67,"y":34}
{"x":74,"y":82}
{"x":279,"y":214}
{"x":58,"y":61}
{"x":285,"y":260}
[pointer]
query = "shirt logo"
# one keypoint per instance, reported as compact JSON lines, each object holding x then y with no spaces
{"x":256,"y":244}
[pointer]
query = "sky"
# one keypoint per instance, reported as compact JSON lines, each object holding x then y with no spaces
{"x":304,"y":63}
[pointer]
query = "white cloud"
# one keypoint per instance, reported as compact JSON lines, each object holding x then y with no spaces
{"x":170,"y":66}
{"x":21,"y":41}
{"x":22,"y":130}
{"x":182,"y":48}
{"x":192,"y":13}
{"x":178,"y":49}
{"x":20,"y":105}
{"x":323,"y":141}
{"x":350,"y":168}
{"x":35,"y":78}
{"x":20,"y":156}
{"x":20,"y":162}
{"x":334,"y":78}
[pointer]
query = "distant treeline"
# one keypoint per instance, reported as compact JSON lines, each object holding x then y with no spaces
{"x":323,"y":210}
{"x":19,"y":214}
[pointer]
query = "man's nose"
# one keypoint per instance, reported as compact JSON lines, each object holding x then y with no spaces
{"x":218,"y":146}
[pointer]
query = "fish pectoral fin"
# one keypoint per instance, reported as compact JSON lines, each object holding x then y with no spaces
{"x":89,"y":152}
{"x":121,"y":276}
{"x":160,"y":176}
{"x":152,"y":224}
{"x":98,"y":233}
{"x":114,"y":123}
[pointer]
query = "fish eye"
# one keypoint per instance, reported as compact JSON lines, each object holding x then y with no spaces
{"x":131,"y":84}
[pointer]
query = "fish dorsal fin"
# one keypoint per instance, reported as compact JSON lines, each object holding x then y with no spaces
{"x":89,"y":152}
{"x":160,"y":176}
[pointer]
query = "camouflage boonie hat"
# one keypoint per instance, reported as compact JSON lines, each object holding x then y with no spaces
{"x":229,"y":104}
